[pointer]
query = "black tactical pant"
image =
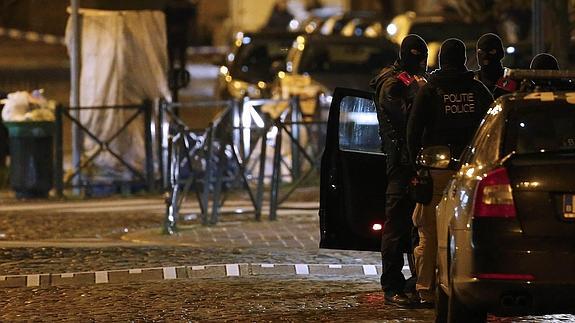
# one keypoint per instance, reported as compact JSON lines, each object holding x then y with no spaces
{"x":397,"y":233}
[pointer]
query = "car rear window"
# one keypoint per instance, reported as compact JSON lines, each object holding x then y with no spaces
{"x":541,"y":129}
{"x":253,"y":61}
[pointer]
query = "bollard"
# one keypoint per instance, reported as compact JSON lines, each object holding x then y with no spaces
{"x":147,"y":106}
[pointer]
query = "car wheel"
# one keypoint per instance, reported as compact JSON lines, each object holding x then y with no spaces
{"x":457,"y":312}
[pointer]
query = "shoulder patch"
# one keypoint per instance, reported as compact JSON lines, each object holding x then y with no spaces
{"x":405,"y":78}
{"x":507,"y":84}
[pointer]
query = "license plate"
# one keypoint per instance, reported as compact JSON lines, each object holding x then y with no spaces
{"x":568,"y":207}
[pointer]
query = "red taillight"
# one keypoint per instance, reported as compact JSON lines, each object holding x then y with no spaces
{"x":498,"y":276}
{"x":493,"y":197}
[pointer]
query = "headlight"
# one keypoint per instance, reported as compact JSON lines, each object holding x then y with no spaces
{"x":391,"y":29}
{"x":239,"y":89}
{"x":253,"y":92}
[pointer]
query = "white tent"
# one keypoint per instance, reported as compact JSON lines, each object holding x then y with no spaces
{"x":123,"y":62}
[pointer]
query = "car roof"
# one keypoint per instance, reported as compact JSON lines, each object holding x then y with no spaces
{"x":512,"y":103}
{"x":318,"y":38}
{"x":271,"y":34}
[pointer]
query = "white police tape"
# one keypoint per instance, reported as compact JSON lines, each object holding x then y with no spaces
{"x":186,"y":272}
{"x":32,"y":36}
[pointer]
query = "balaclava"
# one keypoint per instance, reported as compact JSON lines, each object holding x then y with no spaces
{"x":413,"y":55}
{"x":452,"y":54}
{"x":489,"y":56}
{"x":544,"y":62}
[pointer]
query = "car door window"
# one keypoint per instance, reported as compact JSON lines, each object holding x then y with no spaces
{"x":358,"y":126}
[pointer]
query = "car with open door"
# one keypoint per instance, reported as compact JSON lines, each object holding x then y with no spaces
{"x":506,"y":221}
{"x":353,"y":177}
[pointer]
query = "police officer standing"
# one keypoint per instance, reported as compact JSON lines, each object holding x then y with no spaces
{"x":547,"y":62}
{"x":489,"y":55}
{"x":395,"y":89}
{"x":447,"y":111}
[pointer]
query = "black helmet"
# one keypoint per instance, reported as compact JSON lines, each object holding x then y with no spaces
{"x":452,"y":54}
{"x":544,"y":62}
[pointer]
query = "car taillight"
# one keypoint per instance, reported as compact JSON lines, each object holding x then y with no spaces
{"x":494,"y":197}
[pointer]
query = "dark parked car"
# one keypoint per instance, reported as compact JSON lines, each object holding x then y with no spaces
{"x":317,"y":64}
{"x":434,"y":30}
{"x":506,"y":222}
{"x":252,"y":64}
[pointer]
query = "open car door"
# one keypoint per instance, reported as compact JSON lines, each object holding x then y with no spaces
{"x":353,"y":175}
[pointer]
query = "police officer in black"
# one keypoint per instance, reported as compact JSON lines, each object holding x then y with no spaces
{"x":547,"y":62}
{"x":489,"y":55}
{"x":446,"y":111}
{"x":395,"y":89}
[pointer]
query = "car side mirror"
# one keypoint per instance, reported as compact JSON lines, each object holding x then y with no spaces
{"x":434,"y":157}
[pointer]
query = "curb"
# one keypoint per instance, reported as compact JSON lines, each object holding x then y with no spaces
{"x":187,"y":272}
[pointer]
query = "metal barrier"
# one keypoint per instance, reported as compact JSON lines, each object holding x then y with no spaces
{"x":289,"y":123}
{"x":231,"y":141}
{"x":222,"y":158}
{"x":146,"y":177}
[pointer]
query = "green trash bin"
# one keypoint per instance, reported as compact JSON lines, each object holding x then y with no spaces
{"x":31,"y":158}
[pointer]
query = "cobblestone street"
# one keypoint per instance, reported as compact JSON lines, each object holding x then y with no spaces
{"x":106,"y":260}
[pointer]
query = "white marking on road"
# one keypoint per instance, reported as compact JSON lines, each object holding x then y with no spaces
{"x":232,"y":270}
{"x":369,"y":270}
{"x":101,"y":277}
{"x":32,"y":280}
{"x":301,"y":269}
{"x":169,"y":272}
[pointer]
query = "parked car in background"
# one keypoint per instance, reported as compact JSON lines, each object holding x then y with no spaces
{"x":434,"y":30}
{"x":364,"y":27}
{"x":317,"y":64}
{"x":335,"y":24}
{"x":252,"y":64}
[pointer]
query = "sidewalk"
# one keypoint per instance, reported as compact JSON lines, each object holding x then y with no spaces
{"x":237,"y":246}
{"x":293,"y":229}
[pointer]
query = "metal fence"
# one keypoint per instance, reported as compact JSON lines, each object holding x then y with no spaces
{"x":77,"y":178}
{"x":232,"y":153}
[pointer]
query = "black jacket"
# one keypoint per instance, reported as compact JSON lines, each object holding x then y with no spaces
{"x":394,"y":99}
{"x":447,"y":111}
{"x":498,"y":88}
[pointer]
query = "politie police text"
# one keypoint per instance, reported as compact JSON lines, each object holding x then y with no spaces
{"x":459,"y":103}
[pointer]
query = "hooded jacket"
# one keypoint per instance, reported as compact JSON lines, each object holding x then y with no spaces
{"x":447,"y":111}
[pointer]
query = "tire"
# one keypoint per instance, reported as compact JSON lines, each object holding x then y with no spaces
{"x":441,"y":298}
{"x":441,"y":304}
{"x":457,"y":312}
